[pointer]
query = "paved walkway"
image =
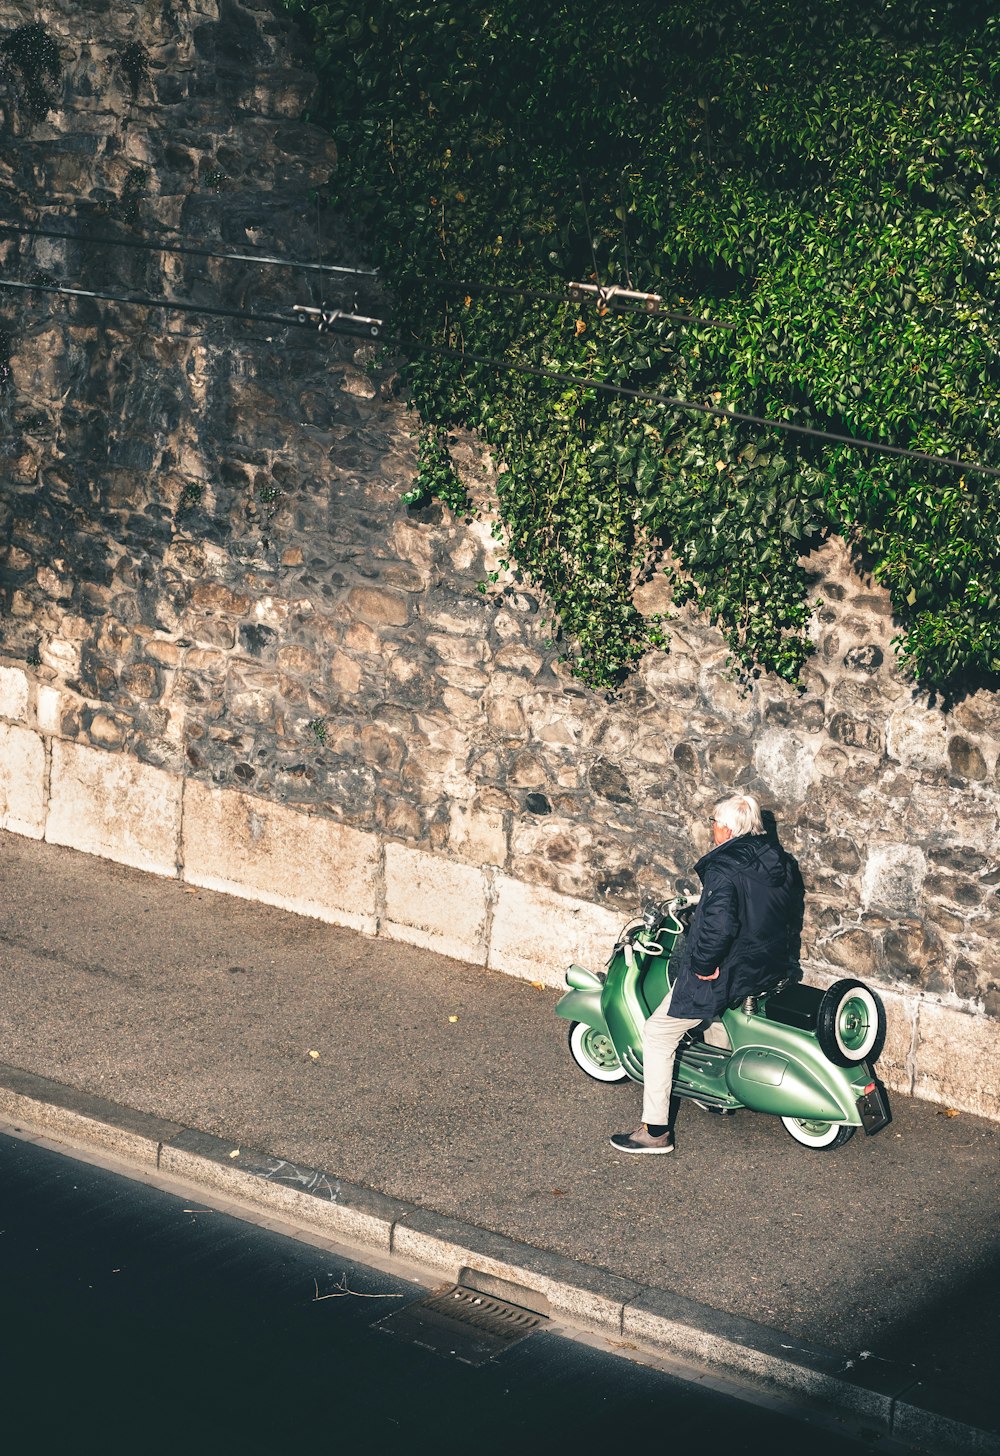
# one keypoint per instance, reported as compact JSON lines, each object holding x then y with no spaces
{"x":451,"y":1088}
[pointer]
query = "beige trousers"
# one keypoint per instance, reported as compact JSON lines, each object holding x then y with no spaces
{"x":661,"y":1036}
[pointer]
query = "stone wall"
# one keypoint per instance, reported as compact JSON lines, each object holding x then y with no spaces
{"x":231,"y":654}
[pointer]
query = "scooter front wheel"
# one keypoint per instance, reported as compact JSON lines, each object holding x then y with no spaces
{"x":812,"y":1132}
{"x":594,"y":1052}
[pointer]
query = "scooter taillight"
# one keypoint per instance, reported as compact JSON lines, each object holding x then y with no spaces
{"x":869,"y":1088}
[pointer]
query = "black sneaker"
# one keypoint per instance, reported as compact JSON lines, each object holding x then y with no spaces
{"x":641,"y":1141}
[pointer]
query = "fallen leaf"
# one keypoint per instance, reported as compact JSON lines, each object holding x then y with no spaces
{"x":538,"y":985}
{"x":235,"y":1153}
{"x":315,"y":1056}
{"x":452,"y":1018}
{"x":581,"y":327}
{"x":948,"y":1112}
{"x":558,"y":1193}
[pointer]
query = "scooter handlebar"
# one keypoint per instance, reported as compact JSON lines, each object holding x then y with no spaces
{"x":656,"y":912}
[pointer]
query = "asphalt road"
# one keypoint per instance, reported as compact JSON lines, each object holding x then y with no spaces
{"x":135,"y":1320}
{"x":452,"y":1088}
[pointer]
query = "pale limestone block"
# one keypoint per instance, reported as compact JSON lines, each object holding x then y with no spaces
{"x":556,"y":732}
{"x":273,"y":611}
{"x":113,"y":805}
{"x":918,"y":737}
{"x":663,"y":673}
{"x":13,"y":694}
{"x":61,"y":656}
{"x":893,"y":879}
{"x":435,"y":903}
{"x":957,"y":1060}
{"x":461,"y":651}
{"x":262,"y":851}
{"x":895,"y":1065}
{"x":654,"y":597}
{"x":478,"y":835}
{"x":356,"y":383}
{"x":537,"y":933}
{"x":464,"y":554}
{"x":22,"y":781}
{"x":49,"y":710}
{"x":723,"y":694}
{"x":785,"y":764}
{"x":481,"y":529}
{"x":461,"y":707}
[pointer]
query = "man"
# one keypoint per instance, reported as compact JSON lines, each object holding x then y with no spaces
{"x":736,"y":945}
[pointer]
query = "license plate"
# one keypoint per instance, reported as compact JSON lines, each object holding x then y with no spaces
{"x":873,"y":1108}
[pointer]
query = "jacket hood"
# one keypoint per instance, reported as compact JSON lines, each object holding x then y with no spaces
{"x":749,"y":854}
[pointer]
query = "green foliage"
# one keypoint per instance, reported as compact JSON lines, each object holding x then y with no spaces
{"x":436,"y":476}
{"x":33,"y":57}
{"x":133,"y":61}
{"x":820,"y":174}
{"x":126,"y":208}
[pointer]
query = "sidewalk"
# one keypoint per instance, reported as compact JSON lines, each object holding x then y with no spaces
{"x":449,"y":1092}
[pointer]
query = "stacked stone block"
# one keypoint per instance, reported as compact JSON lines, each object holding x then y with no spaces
{"x":230,"y":654}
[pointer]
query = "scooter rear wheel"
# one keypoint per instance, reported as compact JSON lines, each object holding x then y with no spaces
{"x":811,"y":1132}
{"x":850,"y":1023}
{"x":594,"y":1053}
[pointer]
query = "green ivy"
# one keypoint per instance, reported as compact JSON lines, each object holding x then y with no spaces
{"x":820,"y":175}
{"x":436,"y":476}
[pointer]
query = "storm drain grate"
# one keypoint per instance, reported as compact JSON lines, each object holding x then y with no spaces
{"x":463,"y":1323}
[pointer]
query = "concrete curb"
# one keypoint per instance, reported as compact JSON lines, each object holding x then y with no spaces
{"x":887,"y":1397}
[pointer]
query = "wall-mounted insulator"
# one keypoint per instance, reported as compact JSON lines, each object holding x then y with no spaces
{"x":612,"y":295}
{"x":339,"y":321}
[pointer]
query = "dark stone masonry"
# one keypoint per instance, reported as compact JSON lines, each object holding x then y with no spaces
{"x":202,"y":547}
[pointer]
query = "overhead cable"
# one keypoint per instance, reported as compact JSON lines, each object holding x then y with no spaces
{"x":187,"y":248}
{"x":497,"y":290}
{"x":716,"y":411}
{"x":333,"y":320}
{"x":330,"y":320}
{"x":265,"y":259}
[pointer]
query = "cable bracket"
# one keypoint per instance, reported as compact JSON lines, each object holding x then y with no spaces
{"x":612,"y":295}
{"x":337,"y":320}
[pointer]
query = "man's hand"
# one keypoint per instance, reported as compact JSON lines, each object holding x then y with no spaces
{"x":713,"y":977}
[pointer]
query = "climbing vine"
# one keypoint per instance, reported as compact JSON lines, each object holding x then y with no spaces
{"x":31,"y":55}
{"x":812,"y":187}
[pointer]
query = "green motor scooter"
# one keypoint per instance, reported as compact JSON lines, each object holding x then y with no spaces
{"x":794,"y":1051}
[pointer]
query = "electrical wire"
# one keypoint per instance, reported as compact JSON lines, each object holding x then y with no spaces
{"x":188,"y":249}
{"x":665,"y":401}
{"x":492,"y":290}
{"x":337,"y":324}
{"x":716,"y":411}
{"x":497,"y":290}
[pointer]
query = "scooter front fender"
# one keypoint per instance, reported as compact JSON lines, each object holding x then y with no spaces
{"x":772,"y":1081}
{"x":583,"y":1005}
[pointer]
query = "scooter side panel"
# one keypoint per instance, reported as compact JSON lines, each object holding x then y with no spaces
{"x":808,"y":1085}
{"x":765,"y":1081}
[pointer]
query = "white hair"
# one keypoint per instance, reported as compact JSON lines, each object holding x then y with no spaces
{"x":740,"y":813}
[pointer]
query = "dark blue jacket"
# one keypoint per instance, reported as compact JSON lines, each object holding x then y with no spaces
{"x":740,"y":927}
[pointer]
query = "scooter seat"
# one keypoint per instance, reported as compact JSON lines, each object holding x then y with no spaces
{"x":793,"y":1005}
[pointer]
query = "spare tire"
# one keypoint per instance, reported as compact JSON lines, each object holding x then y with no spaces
{"x":850,"y":1023}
